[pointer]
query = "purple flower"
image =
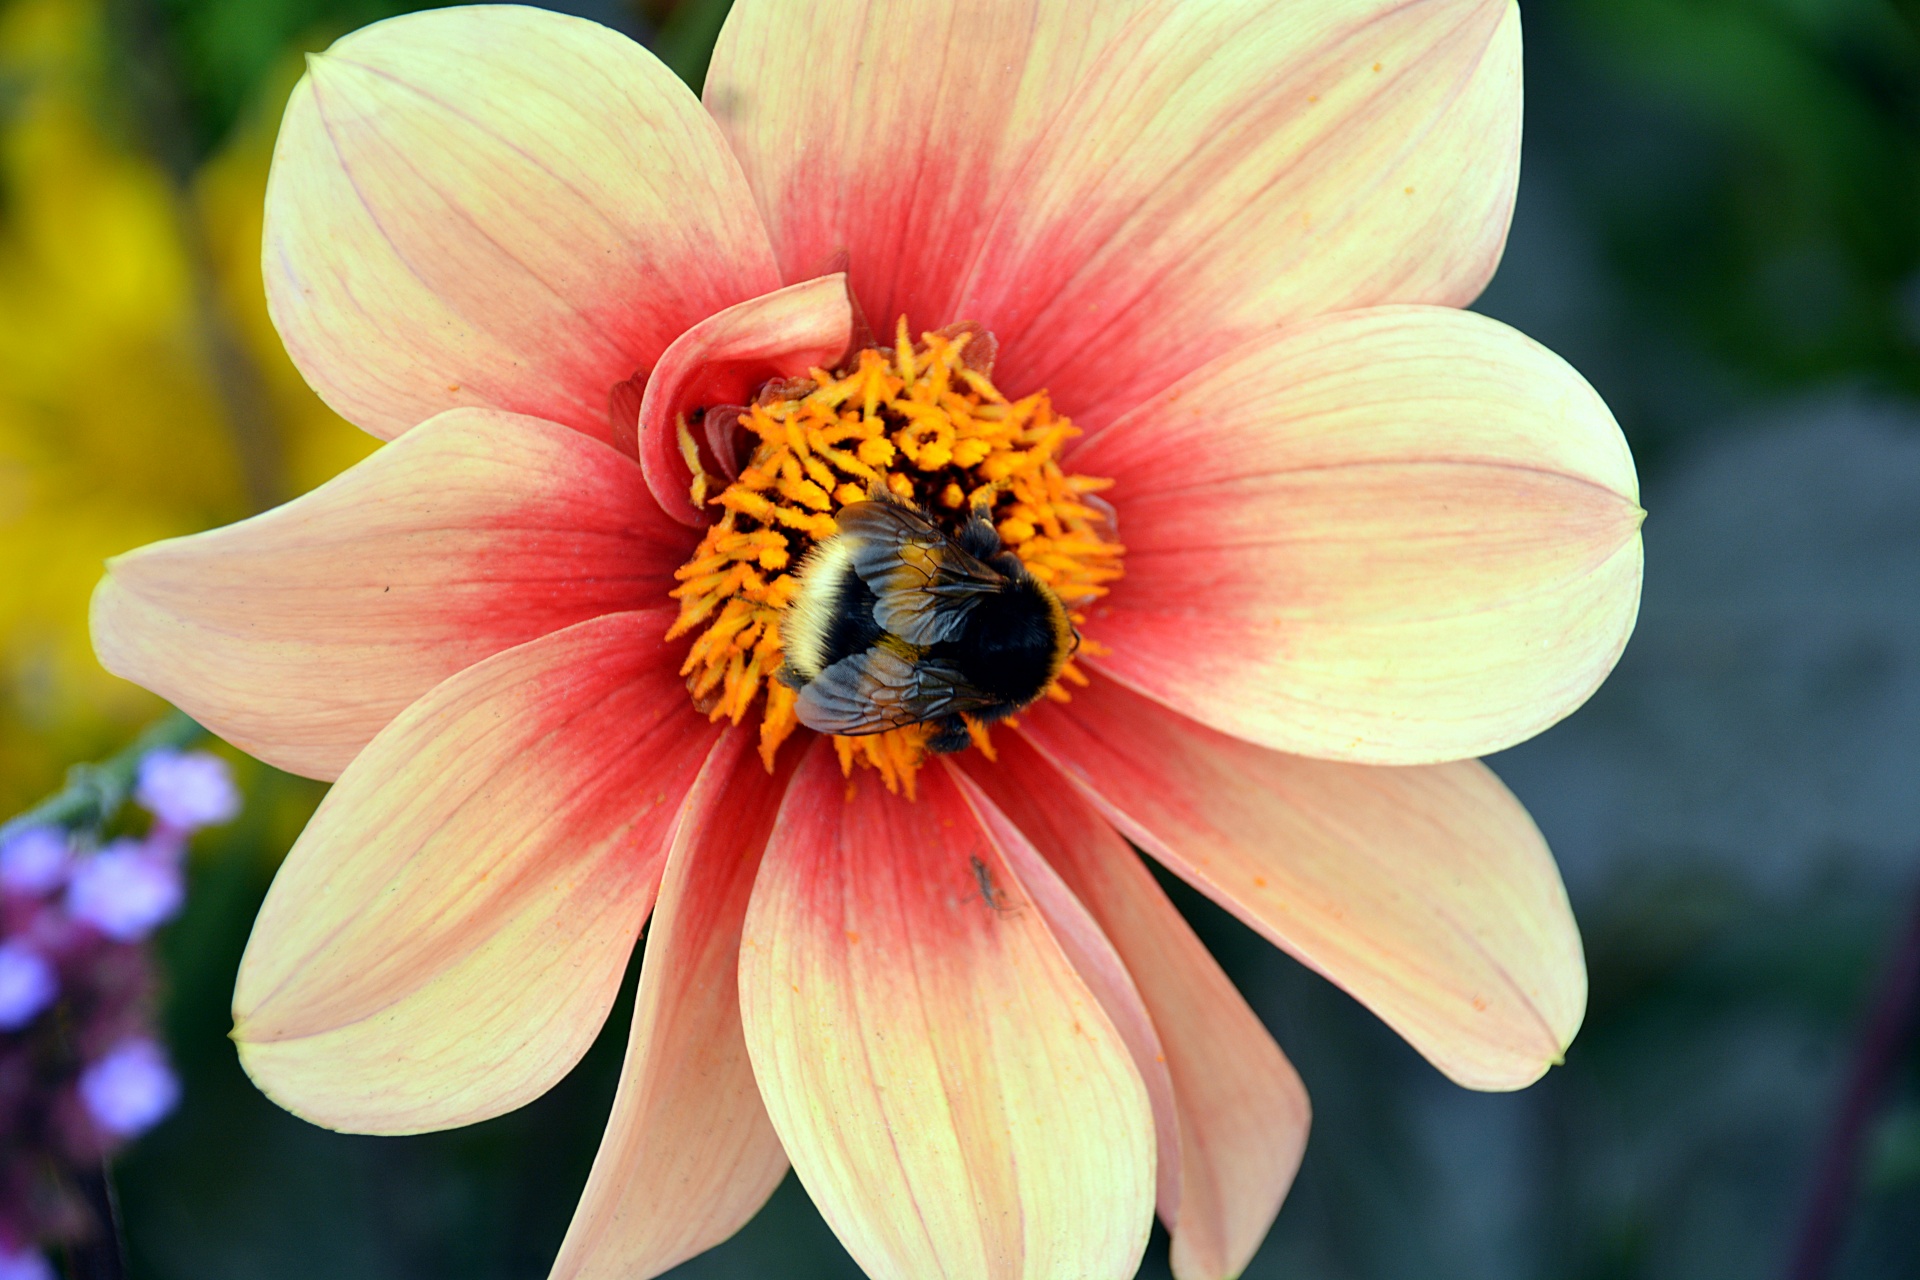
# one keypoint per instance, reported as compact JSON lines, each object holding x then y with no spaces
{"x":35,"y":861}
{"x":129,"y":1090}
{"x":187,"y":790}
{"x":24,"y":1264}
{"x":27,"y":985}
{"x":125,"y":890}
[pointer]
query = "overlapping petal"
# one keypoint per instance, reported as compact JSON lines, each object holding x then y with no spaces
{"x":949,"y":1090}
{"x":497,"y":206}
{"x":1398,"y":536}
{"x":1361,"y":533}
{"x":1117,"y":191}
{"x":297,"y":635}
{"x":1425,"y":892}
{"x":1233,"y":166}
{"x":444,"y":940}
{"x":688,"y":1154}
{"x":1097,"y":961}
{"x":1241,"y":1111}
{"x":723,"y":360}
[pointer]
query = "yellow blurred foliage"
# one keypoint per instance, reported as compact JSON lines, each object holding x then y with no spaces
{"x":114,"y":429}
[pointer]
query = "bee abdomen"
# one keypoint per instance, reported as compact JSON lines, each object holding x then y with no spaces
{"x":832,"y":618}
{"x":1011,"y":647}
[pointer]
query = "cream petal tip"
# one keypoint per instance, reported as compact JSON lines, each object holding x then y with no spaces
{"x":1426,"y":892}
{"x":297,"y":634}
{"x":1419,"y":542}
{"x":458,"y":214}
{"x":444,"y":940}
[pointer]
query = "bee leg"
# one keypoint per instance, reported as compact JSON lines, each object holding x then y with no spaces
{"x":950,"y":735}
{"x":1009,"y":565}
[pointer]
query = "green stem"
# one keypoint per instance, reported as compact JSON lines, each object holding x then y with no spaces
{"x":95,"y":792}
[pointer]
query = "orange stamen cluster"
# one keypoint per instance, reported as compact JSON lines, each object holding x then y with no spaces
{"x":929,"y":426}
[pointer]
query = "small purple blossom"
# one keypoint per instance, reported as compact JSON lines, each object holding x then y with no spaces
{"x":128,"y":1091}
{"x":187,"y":790}
{"x":24,"y":1264}
{"x":35,"y":861}
{"x":125,"y":890}
{"x":27,"y":985}
{"x":74,"y":923}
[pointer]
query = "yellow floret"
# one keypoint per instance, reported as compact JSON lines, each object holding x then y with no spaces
{"x":908,"y":418}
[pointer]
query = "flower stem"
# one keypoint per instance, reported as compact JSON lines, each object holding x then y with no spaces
{"x":103,"y":1255}
{"x":1890,"y":1027}
{"x":95,"y":792}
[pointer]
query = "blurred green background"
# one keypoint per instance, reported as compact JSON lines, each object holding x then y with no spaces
{"x":1719,"y":224}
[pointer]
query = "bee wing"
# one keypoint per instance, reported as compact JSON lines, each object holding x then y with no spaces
{"x":923,"y":583}
{"x":880,"y":689}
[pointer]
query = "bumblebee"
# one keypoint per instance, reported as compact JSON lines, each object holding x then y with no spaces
{"x":896,"y":623}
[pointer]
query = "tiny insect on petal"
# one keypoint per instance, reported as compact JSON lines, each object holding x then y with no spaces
{"x":950,"y":1091}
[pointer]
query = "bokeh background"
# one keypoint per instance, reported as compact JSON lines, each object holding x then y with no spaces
{"x":1719,"y":224}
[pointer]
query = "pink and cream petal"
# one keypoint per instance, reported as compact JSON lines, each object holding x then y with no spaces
{"x":723,"y":360}
{"x":444,"y":940}
{"x":1117,"y":191}
{"x":950,"y":1091}
{"x":502,"y":207}
{"x":1242,"y":1113}
{"x":1398,"y":536}
{"x":297,"y":635}
{"x":1099,"y":965}
{"x":885,"y":133}
{"x":1427,"y":893}
{"x":689,"y":1154}
{"x":1231,"y":167}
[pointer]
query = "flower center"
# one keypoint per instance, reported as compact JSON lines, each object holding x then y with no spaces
{"x":921,"y":425}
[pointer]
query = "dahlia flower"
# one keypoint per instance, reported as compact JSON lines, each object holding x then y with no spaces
{"x":1169,"y":292}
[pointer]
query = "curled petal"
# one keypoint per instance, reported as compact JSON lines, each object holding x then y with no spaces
{"x":1397,"y":536}
{"x":444,"y":940}
{"x":948,"y":1088}
{"x":297,"y":635}
{"x":688,"y":1154}
{"x":723,"y":360}
{"x":497,"y":206}
{"x":1426,"y":892}
{"x":1241,"y":1113}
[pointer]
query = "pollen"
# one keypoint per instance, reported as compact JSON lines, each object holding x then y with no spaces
{"x":924,"y":422}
